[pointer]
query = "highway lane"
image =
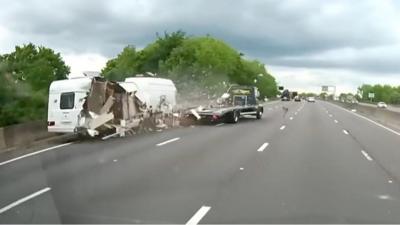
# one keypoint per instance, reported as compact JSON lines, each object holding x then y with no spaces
{"x":296,"y":168}
{"x":314,"y":173}
{"x":381,"y":144}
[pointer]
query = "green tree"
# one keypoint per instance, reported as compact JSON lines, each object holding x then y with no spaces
{"x":125,"y":65}
{"x":37,"y":66}
{"x":197,"y":65}
{"x":385,"y":93}
{"x":26,"y":75}
{"x":156,"y":53}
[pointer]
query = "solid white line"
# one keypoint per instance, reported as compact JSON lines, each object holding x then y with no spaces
{"x":34,"y":153}
{"x":220,"y":124}
{"x":109,"y":136}
{"x":336,"y":121}
{"x":282,"y":127}
{"x":262,"y":147}
{"x":198,"y":215}
{"x":168,"y":141}
{"x":291,"y":118}
{"x":24,"y":199}
{"x":363,"y":117}
{"x":345,"y":132}
{"x":366,"y":155}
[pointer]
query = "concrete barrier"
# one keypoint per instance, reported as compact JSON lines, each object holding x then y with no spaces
{"x":386,"y":117}
{"x":23,"y":134}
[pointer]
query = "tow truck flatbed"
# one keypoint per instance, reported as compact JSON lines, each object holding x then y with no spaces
{"x":239,"y":101}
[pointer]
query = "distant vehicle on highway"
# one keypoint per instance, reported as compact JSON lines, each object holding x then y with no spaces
{"x":285,"y":95}
{"x":297,"y":99}
{"x":381,"y":105}
{"x":311,"y":99}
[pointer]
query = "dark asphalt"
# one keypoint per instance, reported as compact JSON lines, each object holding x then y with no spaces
{"x":313,"y":170}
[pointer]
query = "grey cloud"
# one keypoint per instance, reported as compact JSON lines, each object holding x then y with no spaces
{"x":273,"y":30}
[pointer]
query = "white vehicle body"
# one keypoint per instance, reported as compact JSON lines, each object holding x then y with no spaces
{"x":311,"y":99}
{"x":381,"y":105}
{"x":66,"y":98}
{"x":152,"y":90}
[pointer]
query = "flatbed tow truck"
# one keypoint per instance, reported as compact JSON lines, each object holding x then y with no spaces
{"x":238,"y":101}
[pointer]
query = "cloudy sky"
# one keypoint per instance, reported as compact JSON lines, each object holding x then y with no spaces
{"x":304,"y":43}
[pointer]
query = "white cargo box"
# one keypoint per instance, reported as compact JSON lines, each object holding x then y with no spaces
{"x":151,"y":90}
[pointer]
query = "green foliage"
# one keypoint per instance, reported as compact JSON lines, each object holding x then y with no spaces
{"x":26,"y":75}
{"x":131,"y":62}
{"x":383,"y":93}
{"x":123,"y":66}
{"x":203,"y":64}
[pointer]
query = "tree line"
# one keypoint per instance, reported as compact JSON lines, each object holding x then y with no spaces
{"x":25,"y":75}
{"x":382,"y":93}
{"x":197,"y":65}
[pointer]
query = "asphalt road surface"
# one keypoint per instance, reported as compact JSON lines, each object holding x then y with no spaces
{"x":317,"y":164}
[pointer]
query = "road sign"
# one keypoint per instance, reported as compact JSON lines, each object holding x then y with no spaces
{"x":325,"y":88}
{"x":371,"y":95}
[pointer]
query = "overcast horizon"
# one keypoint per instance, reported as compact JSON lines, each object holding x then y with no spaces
{"x":304,"y":44}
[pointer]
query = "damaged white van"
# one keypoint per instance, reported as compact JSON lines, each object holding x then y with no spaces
{"x":67,"y":99}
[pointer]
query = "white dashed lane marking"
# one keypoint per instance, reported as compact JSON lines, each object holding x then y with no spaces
{"x":168,"y":141}
{"x":24,"y":199}
{"x":198,"y":215}
{"x":262,"y":147}
{"x":366,"y":155}
{"x":34,"y":153}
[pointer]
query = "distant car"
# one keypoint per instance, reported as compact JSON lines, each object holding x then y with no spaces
{"x":297,"y":99}
{"x":381,"y":105}
{"x":310,"y":99}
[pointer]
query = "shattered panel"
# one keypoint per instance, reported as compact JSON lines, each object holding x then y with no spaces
{"x":96,"y":97}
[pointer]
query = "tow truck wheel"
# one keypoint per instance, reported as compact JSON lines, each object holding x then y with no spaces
{"x":259,"y":114}
{"x":234,"y":117}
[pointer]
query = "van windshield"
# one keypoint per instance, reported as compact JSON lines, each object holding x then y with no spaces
{"x":67,"y":100}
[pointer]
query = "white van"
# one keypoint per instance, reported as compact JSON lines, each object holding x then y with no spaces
{"x":151,"y":90}
{"x":66,"y":98}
